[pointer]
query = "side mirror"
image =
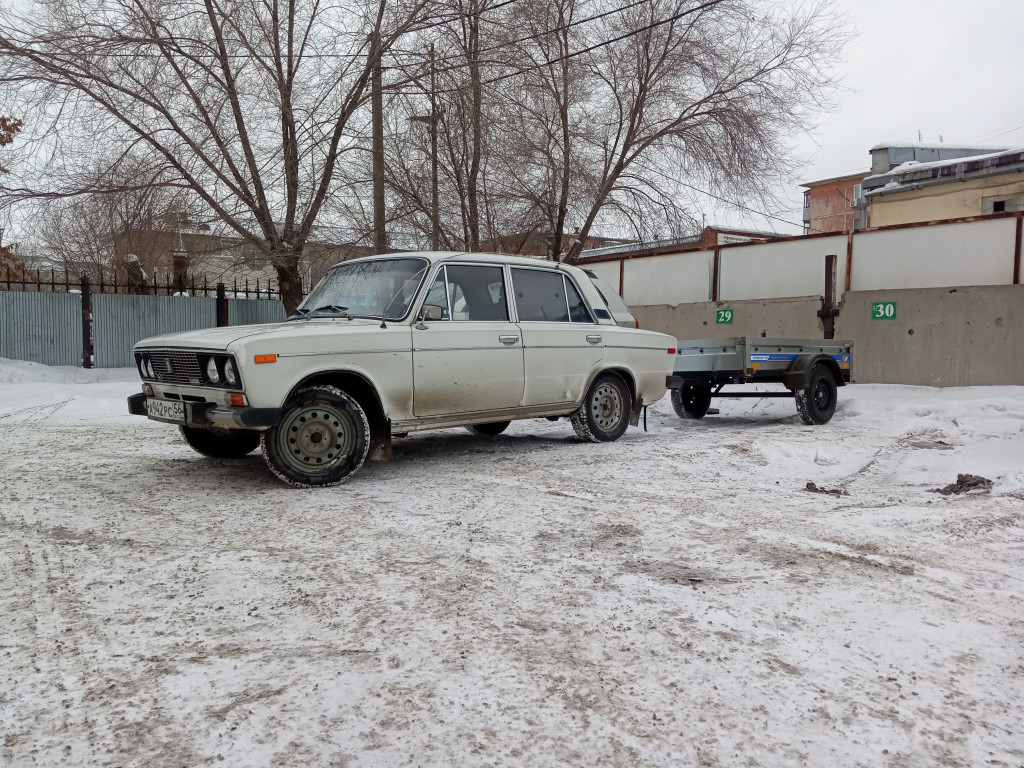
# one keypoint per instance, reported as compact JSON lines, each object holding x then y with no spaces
{"x":432,"y":312}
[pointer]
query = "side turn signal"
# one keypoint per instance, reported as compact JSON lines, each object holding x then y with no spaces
{"x":265,"y":359}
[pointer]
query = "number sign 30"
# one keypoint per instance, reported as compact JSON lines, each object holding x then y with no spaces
{"x":883,"y":310}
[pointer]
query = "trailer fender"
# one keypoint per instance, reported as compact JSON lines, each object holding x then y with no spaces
{"x":798,"y":376}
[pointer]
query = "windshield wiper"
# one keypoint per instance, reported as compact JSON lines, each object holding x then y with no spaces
{"x":343,"y":311}
{"x":297,"y":313}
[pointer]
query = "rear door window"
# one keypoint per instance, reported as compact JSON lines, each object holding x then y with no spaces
{"x":546,"y":296}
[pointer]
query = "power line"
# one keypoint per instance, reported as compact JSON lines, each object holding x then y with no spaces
{"x":985,"y":137}
{"x":740,"y":205}
{"x":541,"y":65}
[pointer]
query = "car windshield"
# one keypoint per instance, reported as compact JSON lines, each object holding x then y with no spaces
{"x":367,"y":289}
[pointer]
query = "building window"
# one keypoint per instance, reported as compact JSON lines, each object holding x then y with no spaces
{"x":807,"y":198}
{"x":999,"y":206}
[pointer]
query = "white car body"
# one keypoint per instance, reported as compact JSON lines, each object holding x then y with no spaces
{"x":490,"y":364}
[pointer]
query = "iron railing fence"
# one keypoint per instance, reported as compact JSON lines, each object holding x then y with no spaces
{"x":108,"y":281}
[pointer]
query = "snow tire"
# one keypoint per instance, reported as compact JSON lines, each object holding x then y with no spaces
{"x":690,"y":401}
{"x":604,"y":414}
{"x":817,"y":402}
{"x":323,"y":438}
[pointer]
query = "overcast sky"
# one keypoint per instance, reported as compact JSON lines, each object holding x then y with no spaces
{"x":949,"y":68}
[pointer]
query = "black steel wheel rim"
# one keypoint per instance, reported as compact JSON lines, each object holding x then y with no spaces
{"x":822,"y":395}
{"x":606,"y":406}
{"x":315,"y":439}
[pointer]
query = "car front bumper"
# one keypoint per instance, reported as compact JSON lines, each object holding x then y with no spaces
{"x":211,"y":415}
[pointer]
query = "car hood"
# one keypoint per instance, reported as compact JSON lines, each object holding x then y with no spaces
{"x":220,"y":338}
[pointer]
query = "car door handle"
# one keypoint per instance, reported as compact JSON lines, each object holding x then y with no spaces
{"x":594,"y":339}
{"x":508,"y":340}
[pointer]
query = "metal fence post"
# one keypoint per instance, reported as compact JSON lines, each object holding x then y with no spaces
{"x":222,"y":306}
{"x":828,"y":310}
{"x":86,"y":322}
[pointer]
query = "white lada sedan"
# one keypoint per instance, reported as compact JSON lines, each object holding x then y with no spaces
{"x":387,"y":345}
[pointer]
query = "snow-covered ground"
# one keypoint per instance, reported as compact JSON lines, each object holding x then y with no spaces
{"x":676,"y":598}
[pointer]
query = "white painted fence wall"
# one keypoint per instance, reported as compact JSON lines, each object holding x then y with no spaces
{"x":932,"y":256}
{"x":778,"y":270}
{"x":964,"y":253}
{"x":675,"y":279}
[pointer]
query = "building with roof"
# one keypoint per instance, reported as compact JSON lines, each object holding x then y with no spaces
{"x":949,"y":187}
{"x":830,"y":205}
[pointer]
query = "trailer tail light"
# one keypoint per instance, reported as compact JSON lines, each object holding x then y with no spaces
{"x":671,"y":350}
{"x":637,"y":321}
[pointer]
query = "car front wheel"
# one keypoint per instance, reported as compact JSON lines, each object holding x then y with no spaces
{"x":604,"y":414}
{"x":322,"y":439}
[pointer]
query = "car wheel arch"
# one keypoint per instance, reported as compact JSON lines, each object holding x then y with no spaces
{"x":357,"y":386}
{"x":623,"y":373}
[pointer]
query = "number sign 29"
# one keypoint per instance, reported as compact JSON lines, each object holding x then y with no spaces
{"x":883,"y":310}
{"x":723,"y":316}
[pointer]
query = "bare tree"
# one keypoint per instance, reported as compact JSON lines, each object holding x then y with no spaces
{"x":702,"y":93}
{"x":247,"y":105}
{"x":579,"y":113}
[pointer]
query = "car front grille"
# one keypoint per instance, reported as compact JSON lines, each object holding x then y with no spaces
{"x":176,"y":366}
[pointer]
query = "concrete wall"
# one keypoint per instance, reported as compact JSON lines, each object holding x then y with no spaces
{"x":941,"y":337}
{"x":764,"y":317}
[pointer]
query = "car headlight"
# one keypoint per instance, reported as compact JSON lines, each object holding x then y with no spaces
{"x":212,"y":374}
{"x":229,"y":373}
{"x":147,"y":364}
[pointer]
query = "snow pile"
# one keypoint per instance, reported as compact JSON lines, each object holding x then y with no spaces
{"x":81,"y":394}
{"x":25,"y":372}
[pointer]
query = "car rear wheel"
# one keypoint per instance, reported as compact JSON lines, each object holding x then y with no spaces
{"x":604,"y":414}
{"x":232,"y":444}
{"x":690,"y":401}
{"x":322,"y":439}
{"x":490,"y":429}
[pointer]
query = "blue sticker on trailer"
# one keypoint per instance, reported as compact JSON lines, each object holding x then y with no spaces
{"x":785,"y":357}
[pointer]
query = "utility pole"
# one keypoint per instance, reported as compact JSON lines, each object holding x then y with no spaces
{"x":435,"y":218}
{"x":431,"y":120}
{"x":377,"y":108}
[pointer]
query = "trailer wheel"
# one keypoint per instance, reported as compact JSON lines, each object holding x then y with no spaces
{"x":817,"y":402}
{"x":690,"y":401}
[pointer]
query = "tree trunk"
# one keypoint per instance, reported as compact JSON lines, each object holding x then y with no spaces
{"x":289,"y":282}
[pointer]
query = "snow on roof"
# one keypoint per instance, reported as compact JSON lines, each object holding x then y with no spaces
{"x":931,"y":145}
{"x":912,"y":166}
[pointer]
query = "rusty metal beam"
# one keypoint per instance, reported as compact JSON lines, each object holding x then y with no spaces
{"x":1016,"y":251}
{"x":849,"y":260}
{"x":715,"y":273}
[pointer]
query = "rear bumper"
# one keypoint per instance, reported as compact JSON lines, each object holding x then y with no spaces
{"x":209,"y":415}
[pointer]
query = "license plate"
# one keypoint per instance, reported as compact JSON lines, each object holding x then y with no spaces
{"x":165,"y":410}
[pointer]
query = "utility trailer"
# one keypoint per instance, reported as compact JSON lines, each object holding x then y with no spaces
{"x":812,"y":370}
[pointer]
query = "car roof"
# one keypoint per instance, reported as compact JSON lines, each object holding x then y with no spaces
{"x":435,"y":257}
